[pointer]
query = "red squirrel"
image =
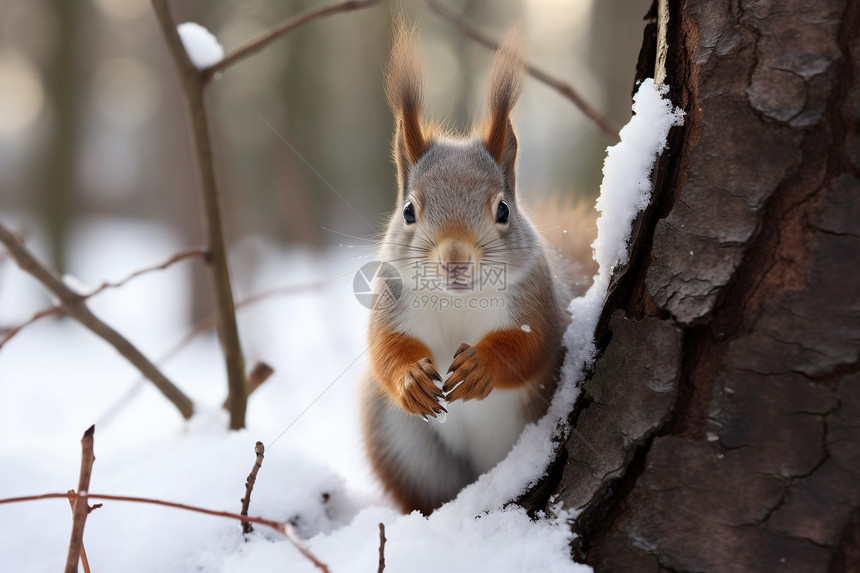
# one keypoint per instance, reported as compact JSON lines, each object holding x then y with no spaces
{"x":483,"y":354}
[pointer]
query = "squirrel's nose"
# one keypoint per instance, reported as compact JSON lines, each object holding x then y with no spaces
{"x":454,"y":258}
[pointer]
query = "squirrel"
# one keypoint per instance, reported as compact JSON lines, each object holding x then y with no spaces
{"x":480,"y":299}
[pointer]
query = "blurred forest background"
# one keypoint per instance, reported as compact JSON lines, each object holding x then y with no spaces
{"x":92,"y":124}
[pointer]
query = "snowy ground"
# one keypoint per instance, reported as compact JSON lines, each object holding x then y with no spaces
{"x":56,"y":379}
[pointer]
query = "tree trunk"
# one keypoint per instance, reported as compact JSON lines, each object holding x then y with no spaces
{"x":720,"y":427}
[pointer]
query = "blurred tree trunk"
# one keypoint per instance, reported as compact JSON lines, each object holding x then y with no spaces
{"x":58,"y":183}
{"x":720,"y":427}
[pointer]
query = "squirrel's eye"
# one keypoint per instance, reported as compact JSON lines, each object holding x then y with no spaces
{"x":502,"y":213}
{"x":409,"y":213}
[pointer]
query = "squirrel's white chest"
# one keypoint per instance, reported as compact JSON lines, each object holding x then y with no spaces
{"x":444,"y":322}
{"x":482,"y":430}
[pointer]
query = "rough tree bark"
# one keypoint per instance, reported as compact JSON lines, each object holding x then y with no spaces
{"x":720,"y":427}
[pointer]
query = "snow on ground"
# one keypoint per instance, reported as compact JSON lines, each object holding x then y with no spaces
{"x":56,"y":379}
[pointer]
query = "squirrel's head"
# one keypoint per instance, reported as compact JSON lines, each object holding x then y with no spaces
{"x":456,"y":202}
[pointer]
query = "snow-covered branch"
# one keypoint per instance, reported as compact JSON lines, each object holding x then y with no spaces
{"x":257,"y":44}
{"x":219,"y":272}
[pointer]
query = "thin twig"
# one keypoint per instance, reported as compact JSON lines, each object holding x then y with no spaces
{"x":84,"y":561}
{"x":219,"y":273}
{"x":195,"y":252}
{"x":294,"y":539}
{"x":469,"y":30}
{"x":256,"y":44}
{"x":281,"y":528}
{"x":256,"y":377}
{"x":12,"y":331}
{"x":279,"y":291}
{"x":74,"y":305}
{"x":276,"y":525}
{"x":58,"y":308}
{"x":381,"y":548}
{"x":208,"y":322}
{"x":259,"y":450}
{"x":203,"y":325}
{"x":81,"y":508}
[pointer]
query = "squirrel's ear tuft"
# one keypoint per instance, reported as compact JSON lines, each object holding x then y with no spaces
{"x":404,"y":90}
{"x":506,"y":83}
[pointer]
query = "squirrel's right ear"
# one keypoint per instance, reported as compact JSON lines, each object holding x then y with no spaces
{"x":506,"y":83}
{"x":404,"y":90}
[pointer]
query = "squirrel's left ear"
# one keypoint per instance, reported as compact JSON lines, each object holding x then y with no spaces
{"x":506,"y":83}
{"x":405,"y":93}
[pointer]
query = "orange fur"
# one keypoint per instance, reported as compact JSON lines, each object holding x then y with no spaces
{"x":403,"y":366}
{"x":504,"y":359}
{"x":456,"y":231}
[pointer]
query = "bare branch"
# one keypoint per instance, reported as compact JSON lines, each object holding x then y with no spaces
{"x":259,"y":450}
{"x":208,"y":322}
{"x":282,"y":528}
{"x":381,"y":548}
{"x":81,"y":508}
{"x":196,"y":252}
{"x":84,"y":560}
{"x":74,"y":305}
{"x":203,"y":325}
{"x":294,"y":539}
{"x":219,"y":273}
{"x":260,"y":42}
{"x":276,"y":525}
{"x":256,"y":377}
{"x":50,"y":311}
{"x":58,"y":308}
{"x":279,"y":291}
{"x":473,"y":33}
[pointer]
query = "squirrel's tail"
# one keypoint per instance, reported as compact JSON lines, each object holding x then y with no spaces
{"x":568,"y":227}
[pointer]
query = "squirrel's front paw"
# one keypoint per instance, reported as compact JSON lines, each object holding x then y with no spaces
{"x":420,"y":394}
{"x":469,"y":370}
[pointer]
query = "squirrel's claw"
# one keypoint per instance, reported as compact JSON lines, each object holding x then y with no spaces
{"x":474,"y":387}
{"x":426,"y":366}
{"x":461,"y":355}
{"x":420,"y":394}
{"x":469,"y":379}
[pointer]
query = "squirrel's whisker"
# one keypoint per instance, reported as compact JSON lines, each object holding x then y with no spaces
{"x":376,"y":236}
